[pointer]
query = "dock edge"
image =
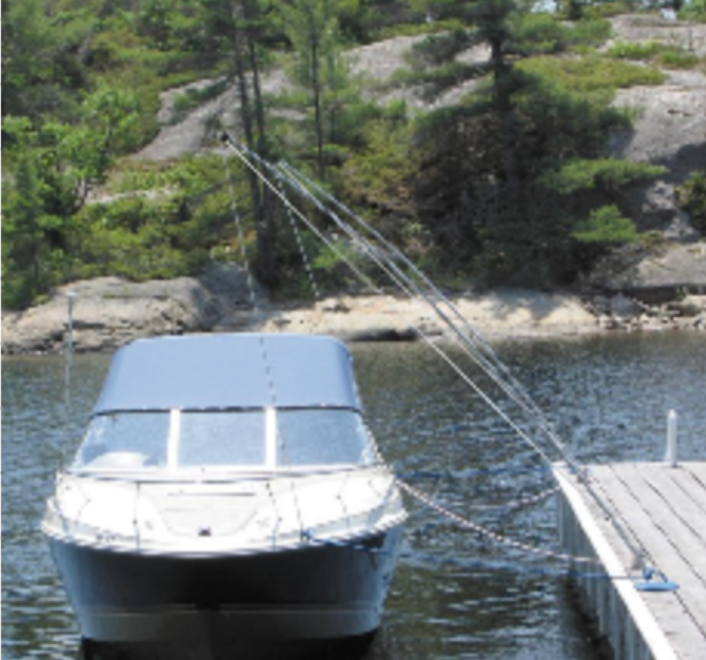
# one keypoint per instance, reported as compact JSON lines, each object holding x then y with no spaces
{"x":621,"y":614}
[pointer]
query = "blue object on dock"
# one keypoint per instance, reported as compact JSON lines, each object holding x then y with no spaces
{"x":666,"y":585}
{"x":648,"y":584}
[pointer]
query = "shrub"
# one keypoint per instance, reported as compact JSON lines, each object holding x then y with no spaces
{"x":589,"y":32}
{"x":193,"y":97}
{"x":670,"y":57}
{"x":643,"y":50}
{"x":332,"y":265}
{"x":608,"y":174}
{"x":694,"y":11}
{"x":692,"y":198}
{"x":591,"y":74}
{"x":606,"y":226}
{"x":538,"y":33}
{"x":674,"y":58}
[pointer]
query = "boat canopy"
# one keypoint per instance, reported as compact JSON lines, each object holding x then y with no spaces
{"x":230,"y":371}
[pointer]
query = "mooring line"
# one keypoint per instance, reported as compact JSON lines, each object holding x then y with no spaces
{"x":483,"y":531}
{"x":644,"y":582}
{"x":510,"y":567}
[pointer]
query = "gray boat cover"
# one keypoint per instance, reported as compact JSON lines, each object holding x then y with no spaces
{"x":222,"y":371}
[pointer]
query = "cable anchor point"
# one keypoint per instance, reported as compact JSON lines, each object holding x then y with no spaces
{"x":648,"y":583}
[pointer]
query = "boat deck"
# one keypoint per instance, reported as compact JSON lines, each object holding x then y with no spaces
{"x":662,"y":511}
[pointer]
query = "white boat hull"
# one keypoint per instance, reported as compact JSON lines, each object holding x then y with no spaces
{"x":312,"y":593}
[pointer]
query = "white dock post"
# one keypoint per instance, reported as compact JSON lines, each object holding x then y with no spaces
{"x":670,"y":455}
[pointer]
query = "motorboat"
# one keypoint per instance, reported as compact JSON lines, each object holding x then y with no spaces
{"x":227,"y":493}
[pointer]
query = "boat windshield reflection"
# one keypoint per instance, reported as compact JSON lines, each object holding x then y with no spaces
{"x":264,"y":439}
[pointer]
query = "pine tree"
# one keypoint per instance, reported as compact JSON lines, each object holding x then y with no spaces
{"x":319,"y":68}
{"x":471,"y":147}
{"x":236,"y":27}
{"x":492,"y":164}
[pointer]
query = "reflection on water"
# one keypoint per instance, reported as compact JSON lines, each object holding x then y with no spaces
{"x":453,"y":596}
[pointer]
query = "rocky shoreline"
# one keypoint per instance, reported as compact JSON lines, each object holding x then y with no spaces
{"x":109,"y":312}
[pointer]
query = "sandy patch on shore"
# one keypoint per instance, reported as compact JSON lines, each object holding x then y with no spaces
{"x":503,"y":313}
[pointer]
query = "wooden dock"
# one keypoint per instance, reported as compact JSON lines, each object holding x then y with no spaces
{"x":659,"y":510}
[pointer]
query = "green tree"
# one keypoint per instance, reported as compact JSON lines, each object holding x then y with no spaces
{"x":513,"y":178}
{"x":693,"y":11}
{"x":154,"y":21}
{"x":29,"y":51}
{"x":22,"y":232}
{"x":50,"y":172}
{"x":237,"y":28}
{"x":319,"y":69}
{"x":109,"y":123}
{"x":692,"y":198}
{"x":472,"y":147}
{"x":34,"y":221}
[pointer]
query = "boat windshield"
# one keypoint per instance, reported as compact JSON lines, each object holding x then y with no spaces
{"x":322,"y":437}
{"x":253,"y":439}
{"x":125,"y":441}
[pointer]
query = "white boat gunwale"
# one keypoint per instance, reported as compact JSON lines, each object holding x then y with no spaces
{"x":220,"y":475}
{"x":351,"y":540}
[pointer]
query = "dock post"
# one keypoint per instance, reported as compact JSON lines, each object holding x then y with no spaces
{"x":670,"y":455}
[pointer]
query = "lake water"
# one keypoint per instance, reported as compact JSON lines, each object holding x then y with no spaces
{"x":454,"y":595}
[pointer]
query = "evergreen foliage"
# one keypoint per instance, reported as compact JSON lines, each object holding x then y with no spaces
{"x":692,"y":198}
{"x":54,"y":168}
{"x":330,"y":96}
{"x":512,"y":184}
{"x":513,"y":181}
{"x":664,"y":55}
{"x":693,"y":11}
{"x":606,"y":226}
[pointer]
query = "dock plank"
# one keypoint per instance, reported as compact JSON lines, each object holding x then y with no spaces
{"x":662,"y":510}
{"x":694,"y":482}
{"x":665,"y":508}
{"x":677,"y":514}
{"x":671,"y":544}
{"x":683,"y":495}
{"x":677,"y":612}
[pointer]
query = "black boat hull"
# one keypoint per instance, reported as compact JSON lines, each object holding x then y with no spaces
{"x":315,"y":592}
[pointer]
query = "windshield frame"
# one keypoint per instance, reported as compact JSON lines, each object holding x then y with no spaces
{"x":172,"y":471}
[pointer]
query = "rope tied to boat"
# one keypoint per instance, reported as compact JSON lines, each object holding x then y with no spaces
{"x":649,"y":579}
{"x":482,"y":531}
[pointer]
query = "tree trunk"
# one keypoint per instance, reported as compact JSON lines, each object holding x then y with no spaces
{"x":503,"y":107}
{"x":318,"y":118}
{"x":268,"y":247}
{"x":263,"y":261}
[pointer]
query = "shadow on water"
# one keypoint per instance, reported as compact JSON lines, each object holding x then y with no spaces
{"x":454,"y":596}
{"x":358,"y":648}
